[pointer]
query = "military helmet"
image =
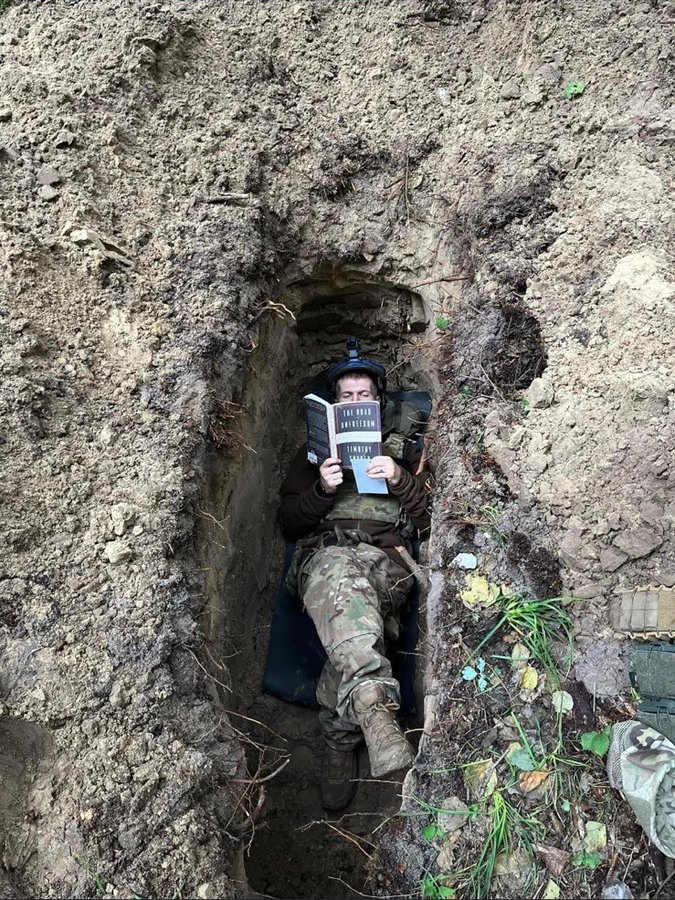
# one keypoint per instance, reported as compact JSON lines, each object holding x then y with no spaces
{"x":355,"y":364}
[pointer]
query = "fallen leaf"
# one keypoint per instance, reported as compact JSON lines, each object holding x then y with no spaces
{"x":530,"y":781}
{"x":519,"y":757}
{"x":529,"y":679}
{"x":555,"y":859}
{"x":551,"y":891}
{"x":479,"y":590}
{"x":596,"y":741}
{"x":562,"y":701}
{"x":480,"y":778}
{"x":519,"y":656}
{"x":595,"y":837}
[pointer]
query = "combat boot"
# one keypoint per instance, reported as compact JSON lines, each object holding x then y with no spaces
{"x":387,"y":747}
{"x":338,"y":778}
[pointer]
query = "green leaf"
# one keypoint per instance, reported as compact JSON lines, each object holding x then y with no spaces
{"x":587,"y":860}
{"x":522,"y":760}
{"x":446,"y":893}
{"x":565,"y":805}
{"x":431,"y":831}
{"x":574,"y":89}
{"x":596,"y":741}
{"x":469,"y":673}
{"x":482,"y":683}
{"x":442,"y":323}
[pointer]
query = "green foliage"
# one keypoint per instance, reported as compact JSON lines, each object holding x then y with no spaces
{"x":525,"y":406}
{"x":442,"y":323}
{"x":596,"y":741}
{"x":574,"y":89}
{"x":507,"y":827}
{"x":95,"y":877}
{"x":469,"y":673}
{"x":587,"y":860}
{"x":433,"y":831}
{"x":433,"y":889}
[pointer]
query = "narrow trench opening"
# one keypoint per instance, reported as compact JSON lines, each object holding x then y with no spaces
{"x":292,"y":851}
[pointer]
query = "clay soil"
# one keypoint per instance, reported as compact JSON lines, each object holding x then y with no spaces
{"x":178,"y":181}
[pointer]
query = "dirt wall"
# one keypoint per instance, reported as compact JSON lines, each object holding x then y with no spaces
{"x":169,"y":169}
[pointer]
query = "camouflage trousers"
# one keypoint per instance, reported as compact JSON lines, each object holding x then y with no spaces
{"x":353,"y":594}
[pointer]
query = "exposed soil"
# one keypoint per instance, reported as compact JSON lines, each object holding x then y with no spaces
{"x":198,"y":201}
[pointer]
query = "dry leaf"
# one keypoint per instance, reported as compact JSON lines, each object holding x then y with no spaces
{"x":554,"y":859}
{"x":479,"y":590}
{"x":519,"y":656}
{"x":529,"y":679}
{"x":480,"y":778}
{"x":595,"y":837}
{"x":562,"y":701}
{"x":530,"y":781}
{"x":551,"y":891}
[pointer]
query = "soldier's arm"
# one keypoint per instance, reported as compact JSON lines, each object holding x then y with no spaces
{"x":303,"y":502}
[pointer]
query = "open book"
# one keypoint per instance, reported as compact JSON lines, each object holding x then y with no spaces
{"x":345,"y":430}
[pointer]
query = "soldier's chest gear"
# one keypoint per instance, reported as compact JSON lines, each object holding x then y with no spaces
{"x":349,"y":504}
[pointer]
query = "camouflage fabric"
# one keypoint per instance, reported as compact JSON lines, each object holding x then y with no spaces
{"x":353,"y":594}
{"x":641,"y":764}
{"x":652,"y":670}
{"x":645,"y":611}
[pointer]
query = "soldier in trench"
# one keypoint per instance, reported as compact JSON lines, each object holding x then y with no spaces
{"x":354,"y":583}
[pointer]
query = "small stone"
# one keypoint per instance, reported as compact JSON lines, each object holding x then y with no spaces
{"x":117,"y":696}
{"x":117,"y":552}
{"x":64,"y":138}
{"x":465,"y":561}
{"x":611,"y":558}
{"x":638,"y":543}
{"x":123,"y":515}
{"x":510,"y":90}
{"x":540,"y":393}
{"x":453,"y":815}
{"x":48,"y":193}
{"x":48,"y":175}
{"x":5,"y":114}
{"x":137,"y":529}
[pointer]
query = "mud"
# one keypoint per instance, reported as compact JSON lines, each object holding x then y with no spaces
{"x":174,"y":177}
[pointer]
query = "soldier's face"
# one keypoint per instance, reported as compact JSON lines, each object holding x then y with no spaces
{"x":352,"y":388}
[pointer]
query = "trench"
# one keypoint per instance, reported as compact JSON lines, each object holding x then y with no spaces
{"x":293,"y":848}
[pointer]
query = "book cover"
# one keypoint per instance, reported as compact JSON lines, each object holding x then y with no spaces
{"x":345,"y":430}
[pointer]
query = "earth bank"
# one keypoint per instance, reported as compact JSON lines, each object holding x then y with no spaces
{"x":177,"y":179}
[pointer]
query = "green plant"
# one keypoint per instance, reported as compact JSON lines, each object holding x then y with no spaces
{"x":574,"y":89}
{"x":442,"y":323}
{"x":432,"y":831}
{"x":95,"y":877}
{"x":507,"y":828}
{"x":490,"y":516}
{"x":539,"y":623}
{"x":5,"y":4}
{"x":596,"y":741}
{"x":525,"y":406}
{"x":469,"y":674}
{"x":587,"y":860}
{"x":433,"y":888}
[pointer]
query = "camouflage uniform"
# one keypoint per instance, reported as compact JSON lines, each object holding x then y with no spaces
{"x":353,"y":594}
{"x":641,"y":764}
{"x":350,"y":577}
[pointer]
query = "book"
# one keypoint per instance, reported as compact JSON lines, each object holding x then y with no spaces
{"x":346,"y":430}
